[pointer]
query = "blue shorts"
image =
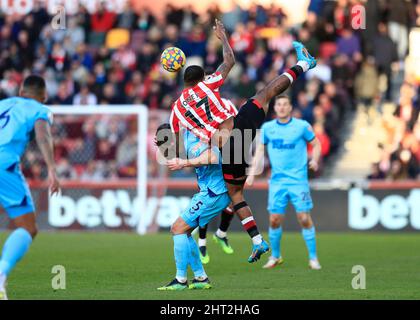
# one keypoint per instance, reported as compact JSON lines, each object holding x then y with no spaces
{"x":279,"y":195}
{"x":15,"y":196}
{"x":204,"y":207}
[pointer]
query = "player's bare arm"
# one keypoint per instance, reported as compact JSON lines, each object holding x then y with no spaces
{"x":316,"y":154}
{"x":228,"y":55}
{"x":205,"y":158}
{"x":45,"y":144}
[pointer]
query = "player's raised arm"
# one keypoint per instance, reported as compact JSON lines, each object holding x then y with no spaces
{"x":228,"y":55}
{"x":45,"y":144}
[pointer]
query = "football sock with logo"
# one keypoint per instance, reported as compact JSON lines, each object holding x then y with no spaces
{"x":310,"y":241}
{"x":194,"y":260}
{"x":15,"y":247}
{"x":294,"y":72}
{"x":181,"y":253}
{"x":274,"y":234}
{"x":251,"y":227}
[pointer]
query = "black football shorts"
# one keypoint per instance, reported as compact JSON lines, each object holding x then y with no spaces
{"x":249,"y":119}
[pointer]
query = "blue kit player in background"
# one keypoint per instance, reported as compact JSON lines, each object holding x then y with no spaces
{"x":21,"y":118}
{"x":205,"y":205}
{"x":286,"y":140}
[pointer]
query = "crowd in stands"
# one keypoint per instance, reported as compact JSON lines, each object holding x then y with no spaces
{"x":400,"y":145}
{"x":105,"y":58}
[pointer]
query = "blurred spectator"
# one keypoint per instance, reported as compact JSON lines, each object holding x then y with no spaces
{"x":399,"y":14}
{"x":385,"y":53}
{"x":102,"y":20}
{"x":85,"y":97}
{"x":95,"y":171}
{"x":376,"y":174}
{"x":127,"y":155}
{"x":127,"y":18}
{"x":366,"y":83}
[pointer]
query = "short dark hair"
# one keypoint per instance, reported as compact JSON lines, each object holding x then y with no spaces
{"x":34,"y":85}
{"x":282,"y":96}
{"x":193,"y":74}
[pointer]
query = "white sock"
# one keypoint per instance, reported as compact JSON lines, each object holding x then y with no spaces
{"x":182,"y":280}
{"x":220,"y":233}
{"x":2,"y":280}
{"x":202,"y":242}
{"x":303,"y":64}
{"x":257,"y":239}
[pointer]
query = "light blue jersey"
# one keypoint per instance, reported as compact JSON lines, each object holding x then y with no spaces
{"x":213,"y":196}
{"x":17,"y":120}
{"x":209,"y":177}
{"x":287,"y":150}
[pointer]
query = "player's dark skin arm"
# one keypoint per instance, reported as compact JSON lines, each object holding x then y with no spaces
{"x":45,"y":144}
{"x":228,"y":55}
{"x":273,"y":88}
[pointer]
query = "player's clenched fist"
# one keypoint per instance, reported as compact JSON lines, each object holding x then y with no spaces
{"x":313,"y":165}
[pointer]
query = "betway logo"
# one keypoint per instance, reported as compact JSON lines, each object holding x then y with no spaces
{"x":394,"y":212}
{"x":91,"y":212}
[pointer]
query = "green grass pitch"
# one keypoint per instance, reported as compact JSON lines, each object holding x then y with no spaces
{"x":128,"y":266}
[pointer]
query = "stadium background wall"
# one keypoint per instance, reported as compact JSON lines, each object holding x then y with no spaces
{"x":113,"y":206}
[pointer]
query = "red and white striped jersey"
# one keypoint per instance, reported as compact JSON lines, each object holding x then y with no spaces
{"x":200,"y":109}
{"x":230,"y":106}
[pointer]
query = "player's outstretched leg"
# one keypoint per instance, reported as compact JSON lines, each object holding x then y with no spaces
{"x":220,"y":237}
{"x":309,"y":236}
{"x":201,"y":280}
{"x":283,"y":81}
{"x":16,"y":246}
{"x":202,"y":244}
{"x":243,"y":211}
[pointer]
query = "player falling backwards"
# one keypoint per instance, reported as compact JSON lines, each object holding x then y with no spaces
{"x":205,"y":205}
{"x":286,"y":140}
{"x":20,"y":117}
{"x":199,"y":109}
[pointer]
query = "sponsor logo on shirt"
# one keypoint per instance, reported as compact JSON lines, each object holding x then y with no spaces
{"x":279,"y":144}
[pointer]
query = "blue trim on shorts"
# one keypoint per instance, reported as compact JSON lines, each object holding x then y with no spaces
{"x":18,"y":211}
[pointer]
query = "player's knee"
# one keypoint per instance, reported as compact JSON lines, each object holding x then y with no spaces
{"x":174,"y":228}
{"x":275,"y":221}
{"x":177,"y":227}
{"x":32,"y":230}
{"x":305,"y":220}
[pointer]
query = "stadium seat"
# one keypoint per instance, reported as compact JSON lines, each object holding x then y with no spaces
{"x":116,"y":38}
